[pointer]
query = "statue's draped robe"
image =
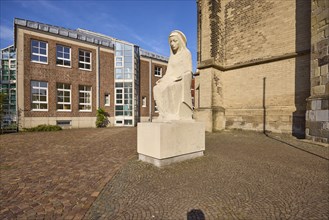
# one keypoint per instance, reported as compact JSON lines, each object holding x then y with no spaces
{"x":173,"y":98}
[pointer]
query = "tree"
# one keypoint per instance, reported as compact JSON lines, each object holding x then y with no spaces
{"x":101,"y":118}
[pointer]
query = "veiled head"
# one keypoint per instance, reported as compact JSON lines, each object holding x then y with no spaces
{"x":177,"y":41}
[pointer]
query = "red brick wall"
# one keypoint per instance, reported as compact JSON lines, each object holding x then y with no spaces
{"x":144,"y":85}
{"x":107,"y":81}
{"x":53,"y":74}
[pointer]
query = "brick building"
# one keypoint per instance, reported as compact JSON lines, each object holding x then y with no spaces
{"x":254,"y":66}
{"x":64,"y":76}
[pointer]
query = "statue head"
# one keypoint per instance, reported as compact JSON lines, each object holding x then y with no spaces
{"x":177,"y":41}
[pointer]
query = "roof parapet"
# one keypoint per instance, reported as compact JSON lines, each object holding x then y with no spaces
{"x":83,"y":35}
{"x":64,"y":32}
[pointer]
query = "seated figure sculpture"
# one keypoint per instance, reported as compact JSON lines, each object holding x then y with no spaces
{"x":172,"y":93}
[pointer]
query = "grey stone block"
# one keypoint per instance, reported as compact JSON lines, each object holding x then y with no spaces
{"x":90,"y":39}
{"x":32,"y":24}
{"x":53,"y":30}
{"x":73,"y":35}
{"x":317,"y":104}
{"x":63,"y":32}
{"x":322,"y":115}
{"x":311,"y":115}
{"x":20,"y":22}
{"x":43,"y":27}
{"x":81,"y":37}
{"x":325,"y":104}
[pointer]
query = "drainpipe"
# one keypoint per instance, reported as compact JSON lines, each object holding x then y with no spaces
{"x":150,"y":91}
{"x":97,"y":78}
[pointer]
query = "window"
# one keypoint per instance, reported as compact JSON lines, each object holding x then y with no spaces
{"x":39,"y":51}
{"x":144,"y":101}
{"x":107,"y":99}
{"x":84,"y":60}
{"x":118,"y":61}
{"x":158,"y":71}
{"x":63,"y":122}
{"x":85,"y":98}
{"x":123,"y":99}
{"x":118,"y":73}
{"x":128,"y":122}
{"x":119,"y":96}
{"x":155,"y":107}
{"x":63,"y":97}
{"x":12,"y":64}
{"x":63,"y":56}
{"x":39,"y":94}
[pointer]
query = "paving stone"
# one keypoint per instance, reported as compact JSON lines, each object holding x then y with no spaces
{"x":51,"y":172}
{"x":243,"y":175}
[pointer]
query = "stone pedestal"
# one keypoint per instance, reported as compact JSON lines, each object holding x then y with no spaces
{"x":163,"y":143}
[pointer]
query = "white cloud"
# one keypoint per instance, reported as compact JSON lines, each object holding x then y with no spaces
{"x":6,"y":33}
{"x":47,"y":5}
{"x":40,"y":3}
{"x":146,"y":43}
{"x":154,"y":45}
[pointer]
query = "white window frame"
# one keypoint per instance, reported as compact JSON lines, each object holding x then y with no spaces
{"x":84,"y":58}
{"x":116,"y":99}
{"x":158,"y":73}
{"x":10,"y":63}
{"x":85,"y":92}
{"x":39,"y":102}
{"x":62,"y":58}
{"x":155,"y":107}
{"x":144,"y":101}
{"x":63,"y":102}
{"x":119,"y":122}
{"x":107,"y":97}
{"x":116,"y":62}
{"x":39,"y":54}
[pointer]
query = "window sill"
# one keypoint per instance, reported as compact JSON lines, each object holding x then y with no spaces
{"x":61,"y":110}
{"x":33,"y":61}
{"x":85,"y":110}
{"x":89,"y":70}
{"x":70,"y":67}
{"x":39,"y":110}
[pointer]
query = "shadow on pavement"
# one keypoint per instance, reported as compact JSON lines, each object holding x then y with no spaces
{"x":296,"y":147}
{"x":195,"y":214}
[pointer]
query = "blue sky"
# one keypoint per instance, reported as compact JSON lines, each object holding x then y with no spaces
{"x":146,"y":23}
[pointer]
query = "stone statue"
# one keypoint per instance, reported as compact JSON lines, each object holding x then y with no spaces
{"x":172,"y":93}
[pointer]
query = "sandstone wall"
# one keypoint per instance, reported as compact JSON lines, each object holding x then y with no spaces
{"x":253,"y":61}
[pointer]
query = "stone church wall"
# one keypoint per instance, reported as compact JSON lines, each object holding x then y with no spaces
{"x":317,"y":115}
{"x":258,"y":77}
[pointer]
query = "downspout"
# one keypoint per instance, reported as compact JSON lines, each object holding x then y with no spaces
{"x":150,"y":91}
{"x":97,"y":78}
{"x":17,"y":113}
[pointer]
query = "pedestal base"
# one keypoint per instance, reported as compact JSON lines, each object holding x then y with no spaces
{"x":163,"y":143}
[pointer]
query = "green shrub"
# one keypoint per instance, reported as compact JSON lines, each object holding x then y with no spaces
{"x":101,"y":118}
{"x":44,"y":128}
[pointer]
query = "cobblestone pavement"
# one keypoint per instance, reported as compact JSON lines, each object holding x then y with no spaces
{"x":57,"y":175}
{"x":243,"y":175}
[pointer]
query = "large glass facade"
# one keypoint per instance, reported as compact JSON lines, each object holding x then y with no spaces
{"x":124,"y":86}
{"x":8,"y":88}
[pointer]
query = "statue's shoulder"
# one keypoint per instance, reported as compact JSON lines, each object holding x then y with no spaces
{"x":187,"y":52}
